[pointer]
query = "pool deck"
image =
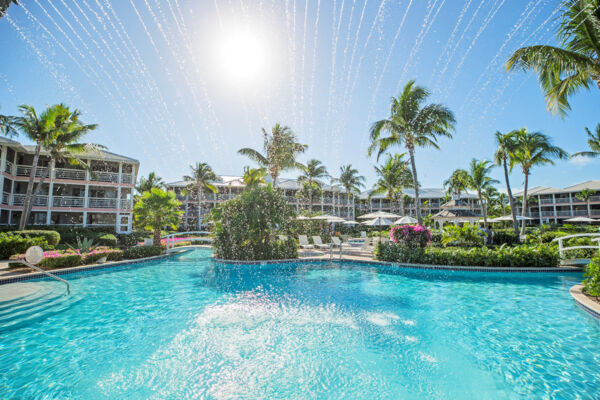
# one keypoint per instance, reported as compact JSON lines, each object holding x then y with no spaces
{"x":585,"y":302}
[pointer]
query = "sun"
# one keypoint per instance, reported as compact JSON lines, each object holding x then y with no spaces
{"x":243,"y":55}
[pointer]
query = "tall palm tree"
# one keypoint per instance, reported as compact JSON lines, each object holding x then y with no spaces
{"x":253,"y":177}
{"x":149,"y":183}
{"x":4,"y":4}
{"x":43,"y":130}
{"x":502,"y":200}
{"x":586,"y":195}
{"x":412,"y":125}
{"x":491,"y":197}
{"x":312,"y":173}
{"x":200,"y":180}
{"x":458,"y":182}
{"x":351,"y":181}
{"x":394,"y":175}
{"x":480,"y":181}
{"x":280,"y":149}
{"x":506,"y":145}
{"x":593,"y":143}
{"x":532,"y":149}
{"x":572,"y":66}
{"x":156,"y":209}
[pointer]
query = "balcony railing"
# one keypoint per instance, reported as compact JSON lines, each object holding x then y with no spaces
{"x":594,"y":198}
{"x":97,"y":202}
{"x":68,"y":201}
{"x":126,"y":178}
{"x":72,"y":174}
{"x":126,"y":204}
{"x":546,"y":201}
{"x":580,"y":213}
{"x":104,"y":176}
{"x":23,"y":170}
{"x":9,"y":167}
{"x":75,"y":174}
{"x":19,"y":200}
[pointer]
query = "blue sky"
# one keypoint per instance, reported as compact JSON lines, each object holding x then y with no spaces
{"x":173,"y":82}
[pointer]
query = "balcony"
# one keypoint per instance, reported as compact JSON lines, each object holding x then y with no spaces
{"x":97,"y":202}
{"x":19,"y":200}
{"x":126,"y":178}
{"x":594,"y":198}
{"x":71,"y":174}
{"x":68,"y":201}
{"x":98,"y":176}
{"x":24,"y":170}
{"x":546,"y":201}
{"x":74,"y":174}
{"x":126,"y":204}
{"x":9,"y":167}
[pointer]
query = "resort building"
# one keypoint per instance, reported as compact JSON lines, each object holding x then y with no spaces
{"x":70,"y":195}
{"x":552,"y":205}
{"x":331,"y":200}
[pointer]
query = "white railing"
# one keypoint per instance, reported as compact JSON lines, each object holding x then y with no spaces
{"x":75,"y":174}
{"x":595,"y":198}
{"x":19,"y":200}
{"x":546,"y":201}
{"x":68,"y":201}
{"x":561,"y":249}
{"x":5,"y":198}
{"x":126,"y":178}
{"x":126,"y":204}
{"x":99,"y":176}
{"x":97,"y":202}
{"x":9,"y":167}
{"x":24,"y":170}
{"x":172,"y":238}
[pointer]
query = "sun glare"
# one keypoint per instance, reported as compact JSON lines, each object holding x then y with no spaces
{"x":243,"y":56}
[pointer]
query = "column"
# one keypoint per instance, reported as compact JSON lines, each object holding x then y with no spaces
{"x":2,"y":167}
{"x":85,"y":202}
{"x":50,"y":192}
{"x":120,"y":172}
{"x":554,"y":208}
{"x":539,"y":209}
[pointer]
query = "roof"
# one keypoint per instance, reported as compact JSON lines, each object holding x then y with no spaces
{"x":101,"y":155}
{"x":457,"y":214}
{"x":455,"y":204}
{"x":578,"y":187}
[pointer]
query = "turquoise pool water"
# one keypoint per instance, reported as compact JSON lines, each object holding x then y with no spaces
{"x":185,"y":328}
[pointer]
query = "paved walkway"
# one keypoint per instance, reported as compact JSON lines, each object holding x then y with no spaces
{"x":6,"y":271}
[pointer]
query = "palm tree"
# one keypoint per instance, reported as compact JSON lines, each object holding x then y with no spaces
{"x":43,"y":130}
{"x":532,"y":149}
{"x":502,"y":200}
{"x":280,"y":151}
{"x":394,"y":175}
{"x":200,"y":180}
{"x":4,"y":4}
{"x":572,"y":66}
{"x":253,"y":177}
{"x":149,"y":183}
{"x":506,"y":145}
{"x":351,"y":181}
{"x":586,"y":195}
{"x":312,"y":173}
{"x":156,"y":209}
{"x":458,"y":182}
{"x":480,"y":181}
{"x":412,"y":125}
{"x":491,"y":196}
{"x":593,"y":143}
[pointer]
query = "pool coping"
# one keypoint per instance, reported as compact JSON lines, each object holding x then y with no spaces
{"x":405,"y":265}
{"x":585,"y":302}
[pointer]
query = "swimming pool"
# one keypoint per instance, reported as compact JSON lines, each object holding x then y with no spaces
{"x":185,"y":327}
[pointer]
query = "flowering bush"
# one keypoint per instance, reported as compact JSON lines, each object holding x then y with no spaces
{"x":411,"y":236}
{"x":72,"y":258}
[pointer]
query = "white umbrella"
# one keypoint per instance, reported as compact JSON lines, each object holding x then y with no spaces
{"x":378,"y":222}
{"x":581,"y":219}
{"x":379,"y":214}
{"x":509,"y":218}
{"x":325,"y":217}
{"x":302,"y":217}
{"x":336,"y":219}
{"x":351,"y":223}
{"x":405,"y":220}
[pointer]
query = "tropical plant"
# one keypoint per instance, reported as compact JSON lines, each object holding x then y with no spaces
{"x":591,"y":285}
{"x":506,"y":145}
{"x":156,"y":209}
{"x":393,"y":176}
{"x":532,"y":149}
{"x":280,"y":148}
{"x":571,"y":66}
{"x":148,"y":183}
{"x":468,"y":235}
{"x":253,"y":177}
{"x":411,"y":236}
{"x":311,"y":174}
{"x":413,"y":126}
{"x":200,"y":180}
{"x":457,"y":183}
{"x":480,"y":181}
{"x":593,"y":143}
{"x":84,"y":245}
{"x":351,"y":181}
{"x":56,"y":129}
{"x":586,"y":195}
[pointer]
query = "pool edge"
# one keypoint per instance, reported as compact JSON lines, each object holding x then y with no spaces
{"x":584,"y":302}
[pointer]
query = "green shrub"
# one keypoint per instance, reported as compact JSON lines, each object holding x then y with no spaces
{"x":111,"y":255}
{"x":591,"y":285}
{"x":62,"y":261}
{"x":503,"y":256}
{"x":15,"y":244}
{"x":505,"y":237}
{"x":142,"y":252}
{"x":467,"y":235}
{"x":132,"y":239}
{"x":246,"y":226}
{"x":52,"y":237}
{"x":108,"y":239}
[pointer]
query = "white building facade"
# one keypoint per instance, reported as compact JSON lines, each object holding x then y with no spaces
{"x":70,"y":195}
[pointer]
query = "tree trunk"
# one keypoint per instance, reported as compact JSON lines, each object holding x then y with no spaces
{"x":156,"y":239}
{"x":26,"y":206}
{"x":483,"y":210}
{"x":199,"y":207}
{"x":511,"y":199}
{"x":348,"y":202}
{"x":38,"y":187}
{"x":411,"y":152}
{"x":524,"y":209}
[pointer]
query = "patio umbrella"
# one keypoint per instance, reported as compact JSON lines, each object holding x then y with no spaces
{"x":336,"y":219}
{"x":326,"y":217}
{"x":350,"y":223}
{"x":378,"y":222}
{"x":379,"y":214}
{"x":405,"y":220}
{"x":301,"y":217}
{"x":509,"y":218}
{"x":581,"y":219}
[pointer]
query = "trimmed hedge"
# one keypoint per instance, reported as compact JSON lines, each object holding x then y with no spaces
{"x":108,"y":239}
{"x":518,"y":256}
{"x":111,"y":255}
{"x":14,"y":244}
{"x":63,"y":261}
{"x":141,"y":252}
{"x":52,"y":237}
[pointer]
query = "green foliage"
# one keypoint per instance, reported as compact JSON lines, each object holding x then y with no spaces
{"x":507,"y":237}
{"x":142,"y":252}
{"x":84,"y":245}
{"x":131,"y":239}
{"x":52,"y":237}
{"x":156,"y":209}
{"x":111,"y":255}
{"x":108,"y":239}
{"x":246,"y":227}
{"x":591,"y":285}
{"x":15,"y":244}
{"x":503,"y":256}
{"x":63,"y":261}
{"x":467,"y":235}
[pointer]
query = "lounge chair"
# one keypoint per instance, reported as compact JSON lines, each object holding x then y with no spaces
{"x":303,"y":242}
{"x":337,"y":242}
{"x":283,"y":238}
{"x":367,"y":246}
{"x":318,"y":243}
